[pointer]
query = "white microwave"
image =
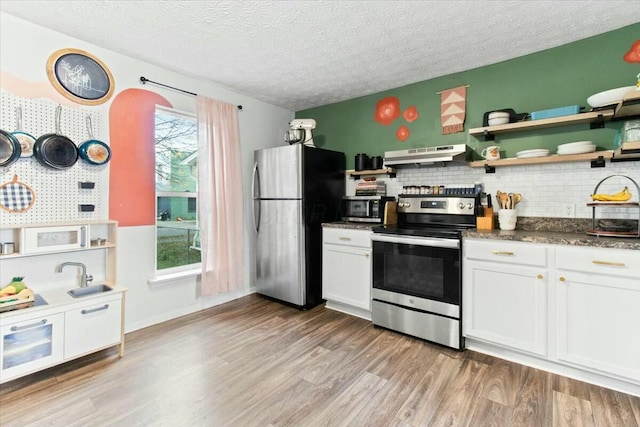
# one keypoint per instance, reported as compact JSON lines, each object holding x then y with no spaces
{"x":58,"y":238}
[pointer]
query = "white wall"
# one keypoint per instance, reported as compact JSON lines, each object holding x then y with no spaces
{"x":24,"y":49}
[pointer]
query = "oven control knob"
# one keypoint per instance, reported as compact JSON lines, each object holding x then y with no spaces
{"x":469,"y":206}
{"x":461,"y":205}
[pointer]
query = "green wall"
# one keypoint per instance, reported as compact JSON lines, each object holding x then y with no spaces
{"x":566,"y":75}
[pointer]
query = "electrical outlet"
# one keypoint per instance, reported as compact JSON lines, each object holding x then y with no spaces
{"x":569,"y":210}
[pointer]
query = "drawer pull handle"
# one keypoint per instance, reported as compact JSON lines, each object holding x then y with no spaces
{"x":562,"y":279}
{"x":503,"y":253}
{"x":29,"y":326}
{"x":346,"y":239}
{"x":366,"y":255}
{"x":540,"y":276}
{"x":615,"y":264}
{"x":93,"y":310}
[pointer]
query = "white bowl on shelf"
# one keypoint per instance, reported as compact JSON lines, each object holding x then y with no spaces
{"x":574,"y":144}
{"x":582,"y":149}
{"x":608,"y":97}
{"x":498,"y":118}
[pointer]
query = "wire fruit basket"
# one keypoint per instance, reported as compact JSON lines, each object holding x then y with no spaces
{"x":612,"y":229}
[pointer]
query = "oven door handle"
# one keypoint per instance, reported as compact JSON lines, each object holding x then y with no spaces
{"x":418,"y":241}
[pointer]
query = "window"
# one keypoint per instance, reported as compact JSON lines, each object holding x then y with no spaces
{"x":176,"y":150}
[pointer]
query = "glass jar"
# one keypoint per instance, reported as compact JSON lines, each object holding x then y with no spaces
{"x":631,"y":131}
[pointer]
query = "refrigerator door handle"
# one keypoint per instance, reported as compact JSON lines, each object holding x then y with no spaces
{"x":255,"y":177}
{"x":256,"y":203}
{"x":256,"y":221}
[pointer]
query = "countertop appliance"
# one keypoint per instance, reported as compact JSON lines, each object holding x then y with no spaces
{"x":364,"y":208}
{"x":417,"y":267}
{"x":295,"y":189}
{"x":300,"y":132}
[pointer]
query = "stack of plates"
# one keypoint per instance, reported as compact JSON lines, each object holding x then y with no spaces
{"x":579,"y":147}
{"x":541,"y":152}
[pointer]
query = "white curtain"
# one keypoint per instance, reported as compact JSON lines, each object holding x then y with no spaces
{"x":220,"y":201}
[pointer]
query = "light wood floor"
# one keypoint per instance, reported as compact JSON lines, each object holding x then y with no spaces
{"x":254,"y":362}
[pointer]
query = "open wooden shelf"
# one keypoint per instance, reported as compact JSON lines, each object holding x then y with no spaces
{"x":385,"y":171}
{"x":629,"y":105}
{"x":568,"y":158}
{"x":590,"y":117}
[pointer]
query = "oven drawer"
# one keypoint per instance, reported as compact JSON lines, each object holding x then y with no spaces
{"x":438,"y":329}
{"x":347,"y":237}
{"x":506,"y":252}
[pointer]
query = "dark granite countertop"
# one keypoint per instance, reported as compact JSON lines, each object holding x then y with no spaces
{"x":350,"y":225}
{"x":555,"y":231}
{"x":555,"y":238}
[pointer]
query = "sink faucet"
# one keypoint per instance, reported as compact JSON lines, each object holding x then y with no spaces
{"x":85,"y":278}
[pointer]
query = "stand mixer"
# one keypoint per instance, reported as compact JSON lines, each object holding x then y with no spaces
{"x":300,"y":132}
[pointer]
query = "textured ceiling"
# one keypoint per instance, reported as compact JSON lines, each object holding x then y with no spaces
{"x":302,"y":54}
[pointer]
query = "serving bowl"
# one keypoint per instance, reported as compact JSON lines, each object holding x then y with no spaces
{"x":498,"y":118}
{"x":571,"y":145}
{"x":608,"y":97}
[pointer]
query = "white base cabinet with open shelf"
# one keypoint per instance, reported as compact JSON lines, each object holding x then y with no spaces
{"x":570,"y":310}
{"x":346,"y":270}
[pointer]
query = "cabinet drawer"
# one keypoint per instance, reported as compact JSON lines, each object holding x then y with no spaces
{"x":612,"y":262}
{"x":506,"y":252}
{"x":341,"y":236}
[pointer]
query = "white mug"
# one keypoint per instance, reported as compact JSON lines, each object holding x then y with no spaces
{"x":491,"y":153}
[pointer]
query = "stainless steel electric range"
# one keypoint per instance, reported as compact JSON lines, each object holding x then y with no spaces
{"x":417,"y":267}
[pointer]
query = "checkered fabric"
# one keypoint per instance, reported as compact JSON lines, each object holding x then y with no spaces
{"x":15,"y":196}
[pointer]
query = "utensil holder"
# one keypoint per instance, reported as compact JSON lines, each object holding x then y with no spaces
{"x":507,"y":219}
{"x":485,"y":222}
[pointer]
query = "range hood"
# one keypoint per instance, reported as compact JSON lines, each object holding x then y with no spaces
{"x":454,"y":154}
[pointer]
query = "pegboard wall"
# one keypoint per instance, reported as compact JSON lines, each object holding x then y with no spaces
{"x":58,"y":193}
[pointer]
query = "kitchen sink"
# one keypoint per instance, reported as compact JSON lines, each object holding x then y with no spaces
{"x":89,"y":290}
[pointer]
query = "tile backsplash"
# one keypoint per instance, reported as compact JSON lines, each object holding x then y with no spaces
{"x":548,"y":190}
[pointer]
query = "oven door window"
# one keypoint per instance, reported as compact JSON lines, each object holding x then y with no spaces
{"x":422,"y":271}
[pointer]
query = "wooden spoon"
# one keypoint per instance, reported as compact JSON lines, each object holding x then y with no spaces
{"x":517,"y":198}
{"x":504,"y":199}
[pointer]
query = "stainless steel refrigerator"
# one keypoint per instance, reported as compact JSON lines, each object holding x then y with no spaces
{"x":295,"y":189}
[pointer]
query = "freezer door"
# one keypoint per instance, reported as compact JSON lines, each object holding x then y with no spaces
{"x":277,"y":173}
{"x":280,"y":269}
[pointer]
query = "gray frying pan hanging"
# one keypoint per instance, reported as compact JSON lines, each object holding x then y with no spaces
{"x":93,"y":151}
{"x":26,"y":139}
{"x":55,"y":150}
{"x":9,"y":148}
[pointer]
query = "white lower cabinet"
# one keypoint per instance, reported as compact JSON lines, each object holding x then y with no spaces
{"x":598,"y":310}
{"x":573,"y":310}
{"x":505,"y":303}
{"x":92,"y":327}
{"x":346,"y":270}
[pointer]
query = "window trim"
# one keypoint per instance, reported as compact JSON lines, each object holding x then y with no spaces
{"x":183,"y":271}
